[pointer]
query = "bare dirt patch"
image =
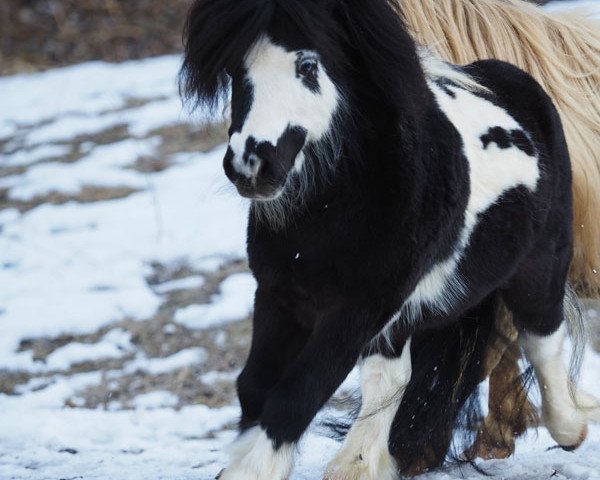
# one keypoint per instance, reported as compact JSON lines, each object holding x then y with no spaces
{"x":87,"y":194}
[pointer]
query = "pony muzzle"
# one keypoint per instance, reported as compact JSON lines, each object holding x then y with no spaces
{"x":261,"y":171}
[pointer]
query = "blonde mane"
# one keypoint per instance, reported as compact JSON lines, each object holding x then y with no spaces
{"x":562,"y":51}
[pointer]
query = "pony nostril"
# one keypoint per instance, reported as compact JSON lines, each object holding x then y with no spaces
{"x":252,"y":164}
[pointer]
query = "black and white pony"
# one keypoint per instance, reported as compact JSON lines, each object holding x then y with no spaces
{"x":397,"y":200}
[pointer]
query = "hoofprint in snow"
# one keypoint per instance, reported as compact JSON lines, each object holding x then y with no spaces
{"x":124,"y":293}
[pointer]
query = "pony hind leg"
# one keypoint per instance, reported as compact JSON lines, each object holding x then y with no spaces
{"x":565,"y":411}
{"x":563,"y":417}
{"x":365,"y":454}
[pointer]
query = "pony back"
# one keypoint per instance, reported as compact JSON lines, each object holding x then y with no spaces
{"x":562,"y":52}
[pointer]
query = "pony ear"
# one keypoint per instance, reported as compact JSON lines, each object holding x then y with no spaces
{"x":387,"y":52}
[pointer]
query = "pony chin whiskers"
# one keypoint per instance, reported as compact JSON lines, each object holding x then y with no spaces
{"x":321,"y":159}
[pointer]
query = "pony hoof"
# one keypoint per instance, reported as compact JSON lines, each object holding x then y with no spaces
{"x":487,"y":448}
{"x":489,"y":452}
{"x":345,"y":472}
{"x":359,"y":470}
{"x":582,"y":437}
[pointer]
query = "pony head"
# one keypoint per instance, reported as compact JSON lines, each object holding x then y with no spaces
{"x":288,"y":69}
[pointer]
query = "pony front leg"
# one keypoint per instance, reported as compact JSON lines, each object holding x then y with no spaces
{"x":267,"y":451}
{"x":365,"y":454}
{"x":276,"y":342}
{"x":254,"y":456}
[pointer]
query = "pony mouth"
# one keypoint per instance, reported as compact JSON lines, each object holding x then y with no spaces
{"x":258,"y":195}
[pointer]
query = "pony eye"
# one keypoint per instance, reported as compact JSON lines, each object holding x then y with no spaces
{"x":307,"y":67}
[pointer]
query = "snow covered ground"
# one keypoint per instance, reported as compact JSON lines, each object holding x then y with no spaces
{"x":124,"y":293}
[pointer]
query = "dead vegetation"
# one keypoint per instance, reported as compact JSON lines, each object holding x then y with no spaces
{"x":39,"y":34}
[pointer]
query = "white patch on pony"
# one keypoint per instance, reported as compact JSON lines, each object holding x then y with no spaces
{"x":252,"y":457}
{"x":280,"y":99}
{"x":492,"y":172}
{"x":565,"y":420}
{"x":365,"y":454}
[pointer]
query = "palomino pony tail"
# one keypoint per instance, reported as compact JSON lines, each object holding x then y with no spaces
{"x":562,"y":52}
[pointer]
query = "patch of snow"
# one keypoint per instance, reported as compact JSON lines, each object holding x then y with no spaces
{"x":139,"y":121}
{"x":92,"y":87}
{"x":9,"y":215}
{"x":162,"y":444}
{"x":583,"y":7}
{"x":235,"y":302}
{"x":158,"y":366}
{"x":156,"y":399}
{"x":53,"y":396}
{"x":214,"y":377}
{"x":103,"y":167}
{"x":43,"y":152}
{"x":221,"y":339}
{"x":114,"y":344}
{"x":210,"y":264}
{"x":186,"y":283}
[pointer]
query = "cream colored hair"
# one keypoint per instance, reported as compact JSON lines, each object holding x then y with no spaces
{"x":562,"y":51}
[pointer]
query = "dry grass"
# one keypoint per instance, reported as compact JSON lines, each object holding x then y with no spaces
{"x":38,"y":34}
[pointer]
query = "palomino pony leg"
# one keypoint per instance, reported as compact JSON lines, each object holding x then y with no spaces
{"x":510,"y":412}
{"x":365,"y":454}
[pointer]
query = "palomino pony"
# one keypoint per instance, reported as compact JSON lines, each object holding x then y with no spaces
{"x":562,"y":52}
{"x":396,"y":198}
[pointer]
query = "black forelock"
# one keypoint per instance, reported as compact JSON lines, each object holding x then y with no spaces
{"x":216,"y":37}
{"x":366,"y":39}
{"x":219,"y":33}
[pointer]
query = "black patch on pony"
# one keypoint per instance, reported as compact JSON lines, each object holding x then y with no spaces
{"x":506,"y":139}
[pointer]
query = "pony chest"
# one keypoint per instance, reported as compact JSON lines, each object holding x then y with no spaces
{"x":501,"y":156}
